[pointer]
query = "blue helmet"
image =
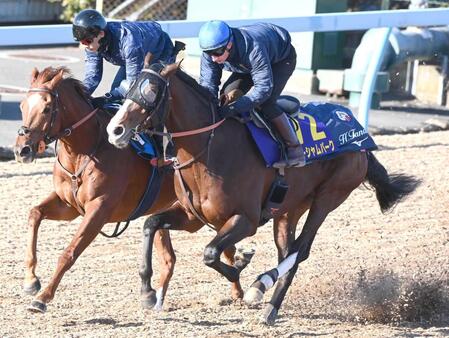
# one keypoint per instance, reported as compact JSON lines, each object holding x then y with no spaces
{"x":214,"y":34}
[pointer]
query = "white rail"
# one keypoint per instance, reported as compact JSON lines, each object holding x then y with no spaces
{"x":62,"y":34}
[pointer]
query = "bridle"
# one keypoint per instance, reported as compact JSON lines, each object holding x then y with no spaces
{"x":136,"y":95}
{"x":154,"y":107}
{"x":23,"y":130}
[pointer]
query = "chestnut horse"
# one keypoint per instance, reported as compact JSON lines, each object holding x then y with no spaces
{"x":91,"y":178}
{"x":221,"y":179}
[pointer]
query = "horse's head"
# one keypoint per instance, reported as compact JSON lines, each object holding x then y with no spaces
{"x":39,"y":114}
{"x":145,"y":105}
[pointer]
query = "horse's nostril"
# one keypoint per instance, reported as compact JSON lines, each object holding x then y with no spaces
{"x":118,"y":131}
{"x":25,"y":151}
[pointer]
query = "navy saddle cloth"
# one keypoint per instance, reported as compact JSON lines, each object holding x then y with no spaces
{"x":324,"y":130}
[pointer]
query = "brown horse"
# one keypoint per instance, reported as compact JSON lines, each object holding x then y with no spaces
{"x":222,"y":179}
{"x":91,"y":177}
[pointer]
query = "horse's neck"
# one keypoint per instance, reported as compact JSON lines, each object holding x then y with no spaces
{"x":188,"y":112}
{"x":84,"y":138}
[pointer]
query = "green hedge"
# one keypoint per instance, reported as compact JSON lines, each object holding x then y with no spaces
{"x":72,"y":7}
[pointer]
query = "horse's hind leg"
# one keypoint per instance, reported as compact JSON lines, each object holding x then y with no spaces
{"x":51,"y":208}
{"x":301,"y":245}
{"x":284,"y":228}
{"x":96,"y":216}
{"x":320,"y":208}
{"x":167,"y":260}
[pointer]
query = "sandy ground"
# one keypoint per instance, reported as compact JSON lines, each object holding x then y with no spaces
{"x":369,"y":275}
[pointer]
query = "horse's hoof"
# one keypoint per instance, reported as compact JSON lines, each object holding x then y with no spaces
{"x":243,"y":258}
{"x":33,"y":288}
{"x":253,"y":296}
{"x":158,"y":307}
{"x":37,"y":306}
{"x":149,"y":300}
{"x":270,"y":315}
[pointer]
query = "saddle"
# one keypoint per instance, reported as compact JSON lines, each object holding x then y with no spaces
{"x":289,"y":105}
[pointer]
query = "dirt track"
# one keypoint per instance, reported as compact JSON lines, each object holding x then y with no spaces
{"x":369,"y":275}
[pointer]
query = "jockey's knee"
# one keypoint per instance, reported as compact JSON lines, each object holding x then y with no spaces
{"x":211,"y":255}
{"x":270,"y":110}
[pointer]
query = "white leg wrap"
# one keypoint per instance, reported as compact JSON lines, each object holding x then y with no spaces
{"x":286,"y":264}
{"x":159,"y":300}
{"x":267,"y":281}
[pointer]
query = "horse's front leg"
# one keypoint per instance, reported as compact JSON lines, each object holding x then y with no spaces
{"x":52,"y":208}
{"x":97,"y":214}
{"x":234,"y":230}
{"x":173,"y":218}
{"x":167,"y":260}
{"x":239,"y":260}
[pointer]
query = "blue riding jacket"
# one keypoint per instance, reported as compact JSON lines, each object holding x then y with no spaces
{"x":254,"y":49}
{"x":127,"y":45}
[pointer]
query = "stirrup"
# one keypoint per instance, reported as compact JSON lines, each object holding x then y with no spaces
{"x":299,"y":161}
{"x":289,"y":162}
{"x":280,"y":164}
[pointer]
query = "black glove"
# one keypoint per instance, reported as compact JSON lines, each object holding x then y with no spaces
{"x":227,"y":111}
{"x":101,"y":101}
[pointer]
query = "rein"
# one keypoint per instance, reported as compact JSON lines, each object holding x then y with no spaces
{"x":187,"y":132}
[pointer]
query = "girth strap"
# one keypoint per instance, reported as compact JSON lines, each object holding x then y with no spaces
{"x":187,"y":197}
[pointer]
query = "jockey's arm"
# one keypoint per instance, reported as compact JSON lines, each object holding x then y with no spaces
{"x":262,"y":76}
{"x":134,"y":59}
{"x":93,"y":71}
{"x":210,"y":74}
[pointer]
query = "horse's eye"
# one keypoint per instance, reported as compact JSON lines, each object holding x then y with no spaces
{"x":47,"y":110}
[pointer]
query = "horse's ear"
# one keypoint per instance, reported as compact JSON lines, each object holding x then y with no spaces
{"x":147,"y":61}
{"x":170,"y":69}
{"x":34,"y":74}
{"x":56,"y":78}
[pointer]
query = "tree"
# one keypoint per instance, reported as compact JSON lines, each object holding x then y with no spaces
{"x":72,"y":7}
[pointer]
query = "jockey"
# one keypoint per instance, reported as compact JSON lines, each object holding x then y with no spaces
{"x":121,"y":43}
{"x":261,"y":59}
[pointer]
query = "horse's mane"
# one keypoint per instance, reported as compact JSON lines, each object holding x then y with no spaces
{"x":50,"y":72}
{"x":192,"y":83}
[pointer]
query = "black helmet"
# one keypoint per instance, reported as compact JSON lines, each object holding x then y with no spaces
{"x":87,"y":24}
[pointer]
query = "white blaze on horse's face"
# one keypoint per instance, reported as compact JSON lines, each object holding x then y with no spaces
{"x":119,"y":133}
{"x":33,"y":100}
{"x":34,"y":112}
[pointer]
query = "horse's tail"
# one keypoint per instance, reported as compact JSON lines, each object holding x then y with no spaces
{"x":390,"y":189}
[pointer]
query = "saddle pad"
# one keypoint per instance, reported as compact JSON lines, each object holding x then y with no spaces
{"x":325,"y":130}
{"x":144,"y":146}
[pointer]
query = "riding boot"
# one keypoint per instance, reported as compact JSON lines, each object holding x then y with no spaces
{"x":295,"y":153}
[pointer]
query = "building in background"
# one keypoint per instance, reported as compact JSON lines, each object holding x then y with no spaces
{"x":29,"y":12}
